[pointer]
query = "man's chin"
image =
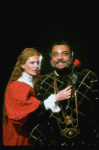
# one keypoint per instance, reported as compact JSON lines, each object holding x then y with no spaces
{"x":61,"y":70}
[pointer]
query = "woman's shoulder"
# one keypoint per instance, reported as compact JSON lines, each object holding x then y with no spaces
{"x":18,"y":88}
{"x":19,"y":85}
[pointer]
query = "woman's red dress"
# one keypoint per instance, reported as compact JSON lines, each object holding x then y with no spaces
{"x":20,"y":101}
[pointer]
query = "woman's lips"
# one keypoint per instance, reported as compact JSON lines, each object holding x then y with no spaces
{"x":35,"y":70}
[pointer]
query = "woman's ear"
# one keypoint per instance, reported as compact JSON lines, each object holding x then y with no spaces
{"x":23,"y":66}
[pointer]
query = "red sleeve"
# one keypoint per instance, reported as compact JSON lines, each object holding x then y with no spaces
{"x":20,"y":101}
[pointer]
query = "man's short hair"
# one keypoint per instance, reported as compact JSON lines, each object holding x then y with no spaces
{"x":61,"y":43}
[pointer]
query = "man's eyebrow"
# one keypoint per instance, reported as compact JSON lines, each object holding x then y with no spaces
{"x":65,"y":51}
{"x":61,"y":51}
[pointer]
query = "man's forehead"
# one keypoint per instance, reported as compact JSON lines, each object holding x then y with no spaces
{"x":60,"y":48}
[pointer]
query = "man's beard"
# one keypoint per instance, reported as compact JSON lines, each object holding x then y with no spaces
{"x":62,"y":71}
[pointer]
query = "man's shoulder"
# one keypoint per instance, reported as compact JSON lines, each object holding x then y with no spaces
{"x":87,"y":73}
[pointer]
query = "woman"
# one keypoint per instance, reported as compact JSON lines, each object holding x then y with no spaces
{"x":20,"y":99}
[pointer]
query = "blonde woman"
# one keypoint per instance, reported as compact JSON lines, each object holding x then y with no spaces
{"x":20,"y":98}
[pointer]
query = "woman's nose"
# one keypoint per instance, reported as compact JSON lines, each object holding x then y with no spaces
{"x":36,"y":65}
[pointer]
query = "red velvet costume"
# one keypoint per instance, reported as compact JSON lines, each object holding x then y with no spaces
{"x":20,"y":102}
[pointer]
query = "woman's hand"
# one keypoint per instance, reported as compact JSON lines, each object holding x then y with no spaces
{"x":64,"y":94}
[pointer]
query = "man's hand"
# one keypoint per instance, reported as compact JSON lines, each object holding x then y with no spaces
{"x":64,"y":94}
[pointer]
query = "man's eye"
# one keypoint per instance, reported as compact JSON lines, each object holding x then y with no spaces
{"x":65,"y":53}
{"x":54,"y":54}
{"x":38,"y":62}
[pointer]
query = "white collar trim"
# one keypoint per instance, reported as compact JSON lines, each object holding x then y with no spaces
{"x":26,"y":78}
{"x":56,"y":73}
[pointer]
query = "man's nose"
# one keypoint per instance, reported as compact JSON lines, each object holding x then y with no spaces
{"x":60,"y":56}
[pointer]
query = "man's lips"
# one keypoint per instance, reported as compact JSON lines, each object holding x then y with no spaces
{"x":60,"y":63}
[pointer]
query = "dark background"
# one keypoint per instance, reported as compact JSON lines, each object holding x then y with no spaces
{"x":25,"y":24}
{"x":38,"y":28}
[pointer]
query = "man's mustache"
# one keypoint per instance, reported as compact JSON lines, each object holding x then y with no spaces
{"x":60,"y":61}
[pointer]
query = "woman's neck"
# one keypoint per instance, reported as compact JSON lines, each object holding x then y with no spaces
{"x":26,"y":78}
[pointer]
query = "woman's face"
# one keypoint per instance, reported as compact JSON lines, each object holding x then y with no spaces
{"x":32,"y":65}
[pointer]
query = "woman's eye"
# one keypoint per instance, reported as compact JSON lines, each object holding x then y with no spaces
{"x":38,"y":62}
{"x":32,"y":62}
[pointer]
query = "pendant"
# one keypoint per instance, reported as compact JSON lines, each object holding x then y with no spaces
{"x":68,"y":120}
{"x":70,"y":132}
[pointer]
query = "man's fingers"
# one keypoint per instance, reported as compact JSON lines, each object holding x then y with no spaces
{"x":67,"y":92}
{"x":69,"y":87}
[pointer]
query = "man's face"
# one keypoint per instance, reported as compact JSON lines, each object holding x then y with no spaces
{"x":61,"y":57}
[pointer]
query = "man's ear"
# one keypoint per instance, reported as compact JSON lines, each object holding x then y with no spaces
{"x":51,"y":63}
{"x":50,"y":54}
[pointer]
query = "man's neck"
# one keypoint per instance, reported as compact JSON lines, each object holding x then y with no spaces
{"x":60,"y":73}
{"x":63,"y":72}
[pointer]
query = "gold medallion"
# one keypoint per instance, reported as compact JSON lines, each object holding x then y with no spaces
{"x":70,"y":132}
{"x":68,"y":120}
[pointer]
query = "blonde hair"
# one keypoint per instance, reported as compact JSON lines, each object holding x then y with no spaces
{"x":17,"y":72}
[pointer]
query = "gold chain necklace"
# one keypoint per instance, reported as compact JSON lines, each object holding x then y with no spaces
{"x":70,"y":129}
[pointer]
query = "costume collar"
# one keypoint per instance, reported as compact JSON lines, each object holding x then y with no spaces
{"x":26,"y":78}
{"x":66,"y":72}
{"x":56,"y":73}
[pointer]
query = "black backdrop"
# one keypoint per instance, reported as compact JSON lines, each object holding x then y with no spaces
{"x":28,"y":25}
{"x":39,"y":30}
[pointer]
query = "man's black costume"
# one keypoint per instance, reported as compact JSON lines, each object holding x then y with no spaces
{"x":77,"y":122}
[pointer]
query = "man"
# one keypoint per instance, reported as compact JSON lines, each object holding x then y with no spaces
{"x":76,"y":122}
